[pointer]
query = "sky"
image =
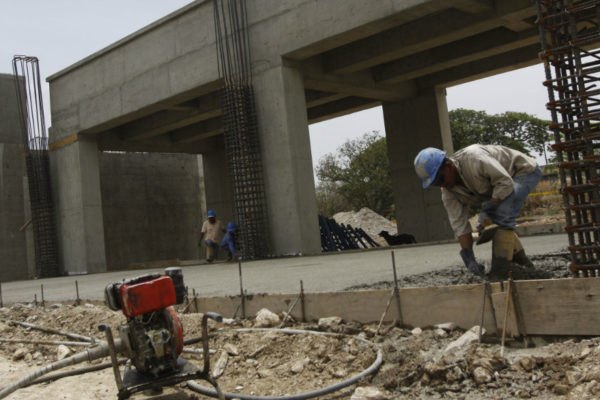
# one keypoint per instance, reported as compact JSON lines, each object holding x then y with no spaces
{"x":62,"y":32}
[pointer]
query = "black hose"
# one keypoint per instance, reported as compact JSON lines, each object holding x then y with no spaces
{"x":300,"y":396}
{"x":74,"y":372}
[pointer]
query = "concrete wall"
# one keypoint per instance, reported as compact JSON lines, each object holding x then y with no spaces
{"x":151,"y":207}
{"x":13,"y":249}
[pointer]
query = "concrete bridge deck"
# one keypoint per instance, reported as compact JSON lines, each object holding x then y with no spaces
{"x":320,"y":273}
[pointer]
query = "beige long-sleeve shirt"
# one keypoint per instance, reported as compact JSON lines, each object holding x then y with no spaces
{"x":486,"y":172}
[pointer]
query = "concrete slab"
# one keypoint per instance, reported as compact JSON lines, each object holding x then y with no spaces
{"x":321,"y":273}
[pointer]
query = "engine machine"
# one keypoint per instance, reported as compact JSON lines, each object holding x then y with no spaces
{"x":152,"y":337}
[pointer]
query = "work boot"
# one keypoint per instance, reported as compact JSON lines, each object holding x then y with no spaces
{"x":519,"y":255}
{"x":503,"y":248}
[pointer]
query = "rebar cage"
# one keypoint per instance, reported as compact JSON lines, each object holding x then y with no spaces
{"x":35,"y":138}
{"x":242,"y":145}
{"x":569,"y":30}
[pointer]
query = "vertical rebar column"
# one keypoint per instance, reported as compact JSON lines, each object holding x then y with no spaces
{"x":31,"y":116}
{"x":242,"y":146}
{"x":569,"y":31}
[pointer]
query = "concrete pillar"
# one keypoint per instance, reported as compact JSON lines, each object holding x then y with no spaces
{"x":410,"y":126}
{"x":13,"y":251}
{"x":75,"y":172}
{"x":287,"y":161}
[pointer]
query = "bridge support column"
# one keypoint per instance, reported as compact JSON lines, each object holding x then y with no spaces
{"x":80,"y":225}
{"x":412,"y":125}
{"x":287,"y":162}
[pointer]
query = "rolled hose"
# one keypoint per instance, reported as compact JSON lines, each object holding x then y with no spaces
{"x":90,"y":354}
{"x":300,"y":396}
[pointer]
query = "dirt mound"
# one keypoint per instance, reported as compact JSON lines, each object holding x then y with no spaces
{"x":369,"y":221}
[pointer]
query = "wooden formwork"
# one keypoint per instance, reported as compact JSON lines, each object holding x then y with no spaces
{"x":536,"y":307}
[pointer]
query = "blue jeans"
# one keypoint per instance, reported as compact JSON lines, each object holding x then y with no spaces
{"x":214,"y":246}
{"x":506,"y":212}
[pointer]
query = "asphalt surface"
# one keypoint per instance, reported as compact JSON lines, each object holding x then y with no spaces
{"x":321,"y":273}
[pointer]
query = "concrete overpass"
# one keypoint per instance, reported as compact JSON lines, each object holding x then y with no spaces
{"x":157,"y":91}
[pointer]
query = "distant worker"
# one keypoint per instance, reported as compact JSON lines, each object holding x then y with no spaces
{"x":212,"y":228}
{"x":497,"y":178}
{"x":228,"y":242}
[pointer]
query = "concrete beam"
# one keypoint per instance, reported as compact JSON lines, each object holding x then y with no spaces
{"x":111,"y":141}
{"x":188,"y":113}
{"x":316,"y":98}
{"x":511,"y":60}
{"x":334,"y":17}
{"x":490,"y":43}
{"x":428,"y":32}
{"x":359,"y":85}
{"x":196,"y":132}
{"x":345,"y":106}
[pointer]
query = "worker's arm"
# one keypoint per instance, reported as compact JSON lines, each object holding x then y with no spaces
{"x":201,"y":235}
{"x":501,"y":181}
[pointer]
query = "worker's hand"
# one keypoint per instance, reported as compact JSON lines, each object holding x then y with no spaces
{"x":488,"y":209}
{"x":472,"y":265}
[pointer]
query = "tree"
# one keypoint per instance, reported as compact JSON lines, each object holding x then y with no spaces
{"x":519,"y":131}
{"x":359,"y":173}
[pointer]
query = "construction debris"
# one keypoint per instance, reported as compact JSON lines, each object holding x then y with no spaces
{"x":274,"y":363}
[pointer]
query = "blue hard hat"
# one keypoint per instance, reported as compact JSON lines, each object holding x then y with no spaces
{"x":211,"y":213}
{"x":428,"y":163}
{"x":230,"y":227}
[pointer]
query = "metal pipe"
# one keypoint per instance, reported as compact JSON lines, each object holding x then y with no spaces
{"x":113,"y":354}
{"x":46,"y":342}
{"x":287,"y":315}
{"x":482,"y":313}
{"x":302,"y":303}
{"x":54,"y":331}
{"x":242,"y":289}
{"x":397,"y":290}
{"x":77,"y":299}
{"x":505,"y":317}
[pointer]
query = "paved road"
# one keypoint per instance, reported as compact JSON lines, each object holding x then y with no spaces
{"x":322,"y":273}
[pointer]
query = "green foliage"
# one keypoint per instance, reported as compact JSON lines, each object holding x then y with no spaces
{"x":519,"y":131}
{"x":359,"y":176}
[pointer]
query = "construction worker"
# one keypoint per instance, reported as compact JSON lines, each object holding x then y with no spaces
{"x":228,"y":242}
{"x":212,"y":228}
{"x":497,"y":178}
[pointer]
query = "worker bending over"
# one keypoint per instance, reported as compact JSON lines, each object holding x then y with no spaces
{"x":497,"y":178}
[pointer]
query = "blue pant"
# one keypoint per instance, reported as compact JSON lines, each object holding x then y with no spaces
{"x":505,"y":213}
{"x":213,"y":245}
